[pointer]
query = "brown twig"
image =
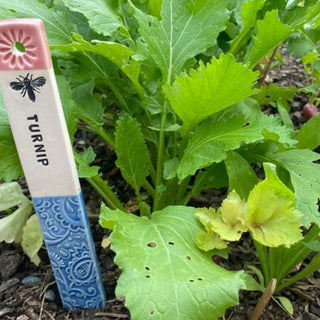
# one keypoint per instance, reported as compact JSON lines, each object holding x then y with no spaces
{"x":267,"y":68}
{"x":264,"y":300}
{"x":111,"y":315}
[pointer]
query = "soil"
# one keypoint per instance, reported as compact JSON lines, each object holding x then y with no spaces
{"x":29,"y":302}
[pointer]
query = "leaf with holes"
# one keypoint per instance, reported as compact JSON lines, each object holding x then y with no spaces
{"x":159,"y":260}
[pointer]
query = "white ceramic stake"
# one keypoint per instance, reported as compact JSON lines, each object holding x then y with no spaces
{"x":35,"y":113}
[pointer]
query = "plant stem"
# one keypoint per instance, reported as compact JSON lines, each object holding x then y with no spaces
{"x":106,"y":193}
{"x":299,"y":253}
{"x":264,"y":300}
{"x":160,"y":158}
{"x":236,"y":45}
{"x":263,"y":258}
{"x":148,"y":187}
{"x":182,"y":189}
{"x":110,"y":84}
{"x":103,"y":134}
{"x":267,"y":68}
{"x":312,"y":266}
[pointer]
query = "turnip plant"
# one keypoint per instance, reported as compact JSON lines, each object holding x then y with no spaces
{"x":175,"y":88}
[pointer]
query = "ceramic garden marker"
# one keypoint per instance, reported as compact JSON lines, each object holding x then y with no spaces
{"x":35,"y":113}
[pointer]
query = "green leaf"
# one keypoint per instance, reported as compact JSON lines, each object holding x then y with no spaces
{"x":102,"y":15}
{"x":10,"y":167}
{"x":155,"y":8}
{"x":208,"y":240}
{"x":305,"y":178}
{"x":252,"y":284}
{"x":246,"y":13}
{"x":12,"y":225}
{"x":159,"y":260}
{"x":299,"y":45}
{"x":68,"y":105}
{"x":301,"y":15}
{"x":133,"y":157}
{"x":117,"y":53}
{"x":272,"y":93}
{"x":228,"y":222}
{"x":272,"y":216}
{"x":242,"y":177}
{"x":286,"y":303}
{"x":210,"y":89}
{"x":58,"y":28}
{"x":284,"y":114}
{"x":270,"y":33}
{"x":213,"y":139}
{"x":32,"y":239}
{"x":84,"y":159}
{"x":88,"y":107}
{"x":313,"y":245}
{"x":247,"y":19}
{"x":214,"y":177}
{"x":259,"y":274}
{"x":11,"y":195}
{"x":185,"y":30}
{"x":309,"y":134}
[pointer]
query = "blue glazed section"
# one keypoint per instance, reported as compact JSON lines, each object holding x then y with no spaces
{"x":68,"y":239}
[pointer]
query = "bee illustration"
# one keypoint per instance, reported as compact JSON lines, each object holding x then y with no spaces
{"x":28,"y":85}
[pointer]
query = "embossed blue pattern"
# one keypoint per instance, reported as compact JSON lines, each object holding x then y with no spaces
{"x":68,"y":239}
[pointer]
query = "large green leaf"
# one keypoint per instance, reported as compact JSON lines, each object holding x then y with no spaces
{"x":213,"y":139}
{"x":305,"y":178}
{"x":102,"y":15}
{"x":32,"y":239}
{"x":209,"y":89}
{"x":133,"y":158}
{"x":186,"y":29}
{"x":160,"y":261}
{"x":58,"y":27}
{"x":270,"y":33}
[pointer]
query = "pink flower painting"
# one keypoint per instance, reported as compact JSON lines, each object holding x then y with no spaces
{"x":17,"y":49}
